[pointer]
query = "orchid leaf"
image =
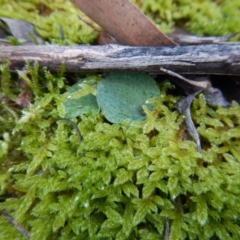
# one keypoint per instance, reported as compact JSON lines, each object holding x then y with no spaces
{"x":121,"y":96}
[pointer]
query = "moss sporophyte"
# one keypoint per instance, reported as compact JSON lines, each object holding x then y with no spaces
{"x":127,"y":179}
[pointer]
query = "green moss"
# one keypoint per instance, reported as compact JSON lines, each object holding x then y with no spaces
{"x":201,"y":17}
{"x":120,"y":182}
{"x":52,"y":19}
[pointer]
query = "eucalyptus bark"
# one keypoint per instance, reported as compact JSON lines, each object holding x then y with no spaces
{"x":221,"y":59}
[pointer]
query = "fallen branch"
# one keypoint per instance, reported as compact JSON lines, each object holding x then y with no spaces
{"x":199,"y":59}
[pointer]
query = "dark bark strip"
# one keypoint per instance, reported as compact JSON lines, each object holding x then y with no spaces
{"x":193,"y":59}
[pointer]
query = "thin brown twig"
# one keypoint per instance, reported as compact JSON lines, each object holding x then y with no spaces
{"x":90,"y":24}
{"x":74,"y":125}
{"x":101,"y":32}
{"x":202,"y":84}
{"x":17,"y":225}
{"x":167,"y":230}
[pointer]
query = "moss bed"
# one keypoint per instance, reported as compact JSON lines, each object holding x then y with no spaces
{"x":120,"y":181}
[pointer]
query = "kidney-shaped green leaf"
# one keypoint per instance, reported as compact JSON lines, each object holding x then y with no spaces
{"x":121,"y":95}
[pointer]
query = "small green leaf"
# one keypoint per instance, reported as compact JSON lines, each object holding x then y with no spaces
{"x":168,"y":213}
{"x":148,"y":189}
{"x":113,"y":215}
{"x":148,"y":235}
{"x":144,"y":206}
{"x":121,"y":235}
{"x":172,"y":183}
{"x":142,"y":176}
{"x":37,"y":160}
{"x":121,"y":96}
{"x":139,"y":216}
{"x":108,"y":224}
{"x":128,"y":219}
{"x":26,"y":204}
{"x":108,"y":228}
{"x":41,"y":228}
{"x":137,"y":164}
{"x":85,"y":104}
{"x":158,"y":200}
{"x":107,"y":177}
{"x":129,"y":188}
{"x":202,"y":212}
{"x":123,"y":176}
{"x":59,"y":221}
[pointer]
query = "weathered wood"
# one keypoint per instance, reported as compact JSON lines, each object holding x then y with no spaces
{"x":197,"y":59}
